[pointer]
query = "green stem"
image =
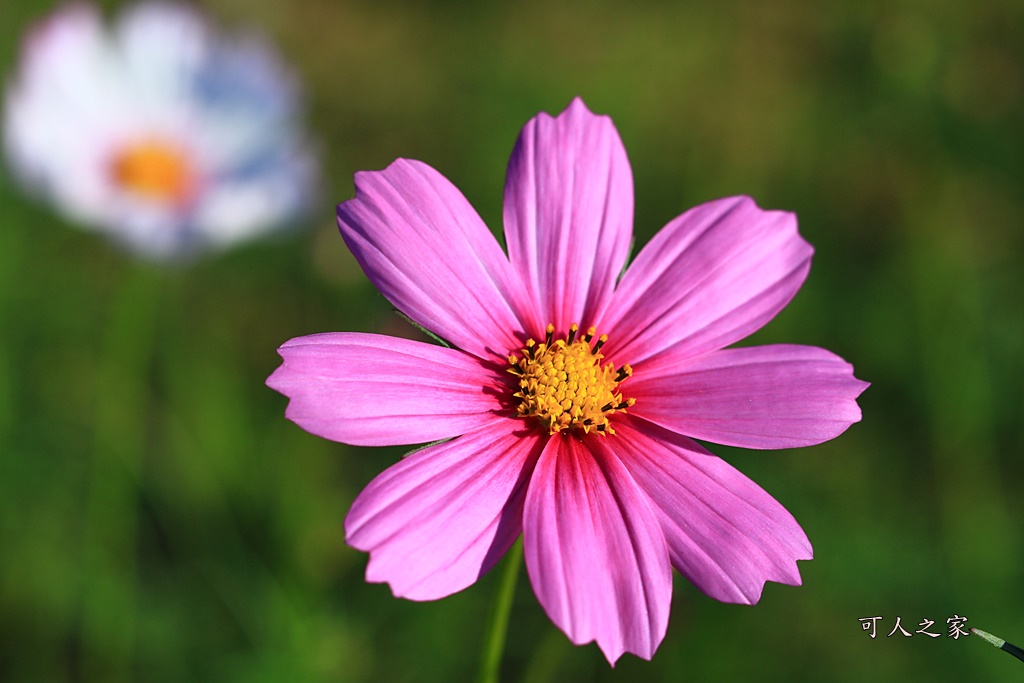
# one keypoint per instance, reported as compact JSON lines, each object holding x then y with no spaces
{"x":497,"y":629}
{"x":109,"y":571}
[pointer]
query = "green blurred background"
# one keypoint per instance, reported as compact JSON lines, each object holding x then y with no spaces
{"x":162,"y":521}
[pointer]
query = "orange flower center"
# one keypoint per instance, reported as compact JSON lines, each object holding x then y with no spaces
{"x":154,"y":170}
{"x":563,"y":384}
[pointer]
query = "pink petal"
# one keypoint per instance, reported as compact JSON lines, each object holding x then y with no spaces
{"x":373,"y":390}
{"x":594,"y":550}
{"x":781,"y":396}
{"x":569,"y":212}
{"x":436,"y":521}
{"x":724,"y":532}
{"x":426,"y":249}
{"x":709,"y":278}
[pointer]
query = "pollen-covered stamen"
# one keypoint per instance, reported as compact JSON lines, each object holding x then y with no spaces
{"x":564,"y":385}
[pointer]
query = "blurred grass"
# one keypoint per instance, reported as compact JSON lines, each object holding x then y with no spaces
{"x":161,"y":521}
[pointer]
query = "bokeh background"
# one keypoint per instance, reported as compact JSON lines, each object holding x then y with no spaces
{"x":160,"y":520}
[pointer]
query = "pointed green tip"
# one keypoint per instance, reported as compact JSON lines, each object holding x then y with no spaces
{"x":997,"y":642}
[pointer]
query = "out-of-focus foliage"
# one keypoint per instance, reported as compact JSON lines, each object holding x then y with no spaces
{"x":162,"y":521}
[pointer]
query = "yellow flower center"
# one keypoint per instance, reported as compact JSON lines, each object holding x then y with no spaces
{"x":564,"y":385}
{"x":154,"y":170}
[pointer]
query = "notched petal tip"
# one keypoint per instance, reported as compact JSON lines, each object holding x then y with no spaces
{"x":787,"y":573}
{"x":362,"y":182}
{"x":578,"y":109}
{"x":276,"y":379}
{"x":577,"y":103}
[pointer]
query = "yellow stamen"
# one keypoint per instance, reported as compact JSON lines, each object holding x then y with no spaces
{"x":563,"y":384}
{"x":154,"y":170}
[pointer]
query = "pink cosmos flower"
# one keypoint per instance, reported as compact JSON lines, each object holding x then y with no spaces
{"x":581,"y":443}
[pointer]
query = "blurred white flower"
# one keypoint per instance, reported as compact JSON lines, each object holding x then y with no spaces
{"x":158,"y":132}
